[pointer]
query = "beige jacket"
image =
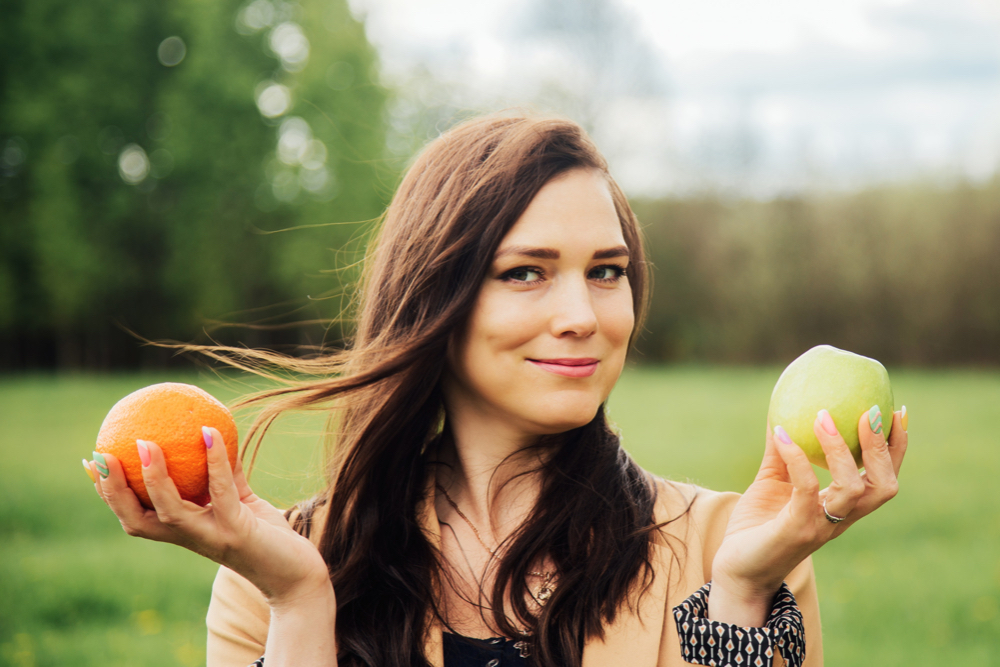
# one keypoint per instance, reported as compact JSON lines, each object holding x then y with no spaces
{"x":238,"y":615}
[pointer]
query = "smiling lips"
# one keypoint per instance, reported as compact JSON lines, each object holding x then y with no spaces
{"x":574,"y":368}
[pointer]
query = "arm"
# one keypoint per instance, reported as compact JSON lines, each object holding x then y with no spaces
{"x":780,"y":520}
{"x":782,"y":517}
{"x":303,"y":630}
{"x":242,"y":624}
{"x":710,"y":515}
{"x":244,"y":533}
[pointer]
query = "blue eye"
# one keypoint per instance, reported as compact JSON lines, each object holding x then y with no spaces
{"x":608,"y":273}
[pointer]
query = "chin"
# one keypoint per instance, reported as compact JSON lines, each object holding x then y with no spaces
{"x":553,"y":419}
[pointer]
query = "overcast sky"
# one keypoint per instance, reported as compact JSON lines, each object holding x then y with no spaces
{"x":760,"y":97}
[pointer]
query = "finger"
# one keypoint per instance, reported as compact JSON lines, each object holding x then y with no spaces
{"x":847,"y":486}
{"x":99,"y":468}
{"x":135,"y":519}
{"x":96,"y":476}
{"x":221,"y":486}
{"x":772,"y":466}
{"x":898,"y":438}
{"x":167,"y":501}
{"x":90,"y":472}
{"x":805,"y":485}
{"x":875,"y":452}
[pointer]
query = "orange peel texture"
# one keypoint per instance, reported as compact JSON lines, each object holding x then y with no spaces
{"x":170,"y":414}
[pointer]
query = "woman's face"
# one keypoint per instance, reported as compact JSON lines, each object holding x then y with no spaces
{"x":548,"y":335}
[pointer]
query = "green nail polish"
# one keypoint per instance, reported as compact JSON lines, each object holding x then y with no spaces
{"x":875,"y":419}
{"x":102,"y":464}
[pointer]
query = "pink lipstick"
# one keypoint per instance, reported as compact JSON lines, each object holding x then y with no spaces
{"x":574,"y":368}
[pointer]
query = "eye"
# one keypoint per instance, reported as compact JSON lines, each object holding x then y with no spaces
{"x":523,"y":274}
{"x":608,"y":273}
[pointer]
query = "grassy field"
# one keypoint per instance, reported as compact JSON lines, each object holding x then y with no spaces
{"x":916,"y":584}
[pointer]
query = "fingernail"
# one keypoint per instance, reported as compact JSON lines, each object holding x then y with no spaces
{"x":904,"y":419}
{"x":206,"y":434}
{"x":102,"y":464}
{"x":875,"y":419}
{"x":780,"y":432}
{"x":143,"y":452}
{"x":826,"y":421}
{"x":90,"y":473}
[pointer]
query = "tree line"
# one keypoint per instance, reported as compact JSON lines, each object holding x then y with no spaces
{"x":907,"y":274}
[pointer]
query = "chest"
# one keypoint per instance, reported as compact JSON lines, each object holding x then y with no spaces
{"x":468,"y":577}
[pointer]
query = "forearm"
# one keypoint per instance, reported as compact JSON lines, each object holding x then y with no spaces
{"x":303,"y":633}
{"x":731,"y":604}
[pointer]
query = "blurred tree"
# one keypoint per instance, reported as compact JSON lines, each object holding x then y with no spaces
{"x":905,"y":274}
{"x":146,"y":148}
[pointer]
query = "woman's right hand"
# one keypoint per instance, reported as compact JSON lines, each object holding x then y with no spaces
{"x":237,"y":529}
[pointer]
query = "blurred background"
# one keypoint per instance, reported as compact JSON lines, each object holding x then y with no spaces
{"x":805,"y":173}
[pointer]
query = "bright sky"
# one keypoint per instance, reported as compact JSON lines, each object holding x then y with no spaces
{"x":763,"y":97}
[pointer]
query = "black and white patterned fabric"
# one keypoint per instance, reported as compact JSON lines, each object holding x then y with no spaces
{"x":706,"y":642}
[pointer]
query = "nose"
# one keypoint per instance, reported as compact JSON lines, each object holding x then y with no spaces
{"x":572,"y":310}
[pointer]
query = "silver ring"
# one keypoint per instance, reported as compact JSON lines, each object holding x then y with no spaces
{"x":830,"y":517}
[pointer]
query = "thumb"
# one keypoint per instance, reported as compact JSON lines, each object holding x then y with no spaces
{"x":805,"y":485}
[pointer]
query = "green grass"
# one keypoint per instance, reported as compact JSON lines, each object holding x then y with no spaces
{"x":917,"y":583}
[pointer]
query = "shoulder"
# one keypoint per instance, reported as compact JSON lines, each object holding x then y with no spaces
{"x":691,"y":523}
{"x":691,"y":503}
{"x":308,"y":518}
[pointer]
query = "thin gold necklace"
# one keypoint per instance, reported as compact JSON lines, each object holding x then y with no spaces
{"x":475,"y":531}
{"x":546,"y":590}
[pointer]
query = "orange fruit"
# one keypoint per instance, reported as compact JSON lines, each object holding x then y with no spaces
{"x":170,"y":414}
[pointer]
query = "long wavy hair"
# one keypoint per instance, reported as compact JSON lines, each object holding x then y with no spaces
{"x":422,"y":275}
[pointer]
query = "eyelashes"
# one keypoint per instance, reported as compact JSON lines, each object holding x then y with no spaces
{"x":523,"y":275}
{"x":611,"y":273}
{"x":530,"y":275}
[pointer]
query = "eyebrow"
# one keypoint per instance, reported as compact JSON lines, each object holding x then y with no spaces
{"x":552,"y":253}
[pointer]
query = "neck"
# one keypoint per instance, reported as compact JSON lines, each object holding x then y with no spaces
{"x":490,"y":473}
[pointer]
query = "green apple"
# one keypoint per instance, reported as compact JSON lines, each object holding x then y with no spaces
{"x":847,"y":385}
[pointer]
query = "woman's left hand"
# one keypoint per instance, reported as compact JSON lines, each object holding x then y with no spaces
{"x":780,"y":520}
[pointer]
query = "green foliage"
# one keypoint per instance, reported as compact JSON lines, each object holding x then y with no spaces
{"x":917,"y":583}
{"x":903,"y":274}
{"x":81,"y":248}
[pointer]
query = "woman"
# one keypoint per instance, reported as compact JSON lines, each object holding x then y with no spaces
{"x":480,"y":508}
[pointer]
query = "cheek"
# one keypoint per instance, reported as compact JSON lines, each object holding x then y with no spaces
{"x":617,"y":319}
{"x":501,"y":323}
{"x":496,"y":330}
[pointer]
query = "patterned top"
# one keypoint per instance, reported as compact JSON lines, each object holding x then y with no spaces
{"x":703,"y":642}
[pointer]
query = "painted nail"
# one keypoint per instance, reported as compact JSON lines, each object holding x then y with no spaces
{"x":826,"y":421}
{"x":143,"y":452}
{"x":90,"y":473}
{"x":875,"y":419}
{"x":782,"y":435}
{"x":102,"y":464}
{"x":904,"y":419}
{"x":206,"y":434}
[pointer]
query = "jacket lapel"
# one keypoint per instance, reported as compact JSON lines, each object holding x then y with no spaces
{"x":634,"y":637}
{"x":428,"y":520}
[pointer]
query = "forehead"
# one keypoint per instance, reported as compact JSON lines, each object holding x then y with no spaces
{"x":572,"y":209}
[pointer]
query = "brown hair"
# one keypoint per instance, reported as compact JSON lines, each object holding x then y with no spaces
{"x":422,"y":275}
